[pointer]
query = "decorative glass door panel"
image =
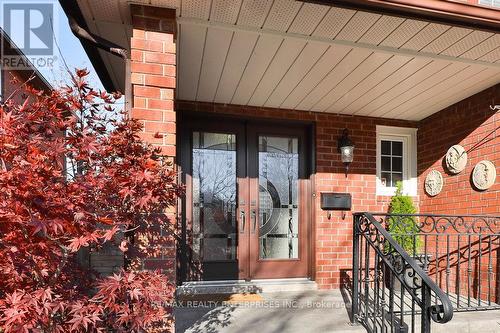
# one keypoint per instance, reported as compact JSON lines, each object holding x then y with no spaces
{"x":278,"y":198}
{"x":247,"y":201}
{"x":214,"y":196}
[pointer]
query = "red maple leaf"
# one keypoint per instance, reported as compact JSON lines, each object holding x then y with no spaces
{"x":70,"y":178}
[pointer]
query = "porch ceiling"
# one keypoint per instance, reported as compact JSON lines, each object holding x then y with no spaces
{"x":307,"y":56}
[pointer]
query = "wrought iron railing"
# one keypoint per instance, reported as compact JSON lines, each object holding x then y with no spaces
{"x":461,"y":254}
{"x":391,"y":291}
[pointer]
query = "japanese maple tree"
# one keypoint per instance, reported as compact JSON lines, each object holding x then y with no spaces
{"x":74,"y":176}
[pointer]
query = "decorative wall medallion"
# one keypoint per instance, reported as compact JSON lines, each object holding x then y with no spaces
{"x":484,"y":175}
{"x":456,"y":159}
{"x":433,"y":183}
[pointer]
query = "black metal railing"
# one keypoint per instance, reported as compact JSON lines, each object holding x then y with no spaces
{"x":391,"y":291}
{"x":461,"y":254}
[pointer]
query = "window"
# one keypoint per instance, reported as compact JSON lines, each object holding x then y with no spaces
{"x":391,"y":167}
{"x":490,"y":3}
{"x":396,"y":159}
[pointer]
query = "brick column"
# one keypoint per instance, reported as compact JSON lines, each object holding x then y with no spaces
{"x":153,"y":73}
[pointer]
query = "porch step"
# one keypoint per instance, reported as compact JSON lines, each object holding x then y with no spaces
{"x":471,"y":322}
{"x":248,"y":287}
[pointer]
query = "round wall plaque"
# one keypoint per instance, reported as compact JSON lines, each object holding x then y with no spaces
{"x":456,"y":159}
{"x":433,"y":183}
{"x":484,"y":175}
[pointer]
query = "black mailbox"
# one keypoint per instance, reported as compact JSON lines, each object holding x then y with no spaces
{"x":336,"y":201}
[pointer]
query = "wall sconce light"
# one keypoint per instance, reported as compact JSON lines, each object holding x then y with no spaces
{"x":346,"y":149}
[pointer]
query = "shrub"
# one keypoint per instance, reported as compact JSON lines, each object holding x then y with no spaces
{"x":404,"y":229}
{"x":74,"y":174}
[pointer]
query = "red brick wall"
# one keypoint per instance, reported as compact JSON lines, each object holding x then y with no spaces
{"x":153,"y":74}
{"x":12,"y":84}
{"x":472,"y":124}
{"x":153,"y":59}
{"x":333,"y":241}
{"x":153,"y":79}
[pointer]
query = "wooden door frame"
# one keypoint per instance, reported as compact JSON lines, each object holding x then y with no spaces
{"x":187,"y":121}
{"x":277,"y":268}
{"x":185,"y":145}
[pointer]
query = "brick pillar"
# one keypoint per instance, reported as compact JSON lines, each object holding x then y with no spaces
{"x":153,"y":73}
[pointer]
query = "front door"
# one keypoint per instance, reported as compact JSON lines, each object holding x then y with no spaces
{"x":247,"y":201}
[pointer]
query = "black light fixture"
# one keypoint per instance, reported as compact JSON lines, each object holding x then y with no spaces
{"x":346,"y":149}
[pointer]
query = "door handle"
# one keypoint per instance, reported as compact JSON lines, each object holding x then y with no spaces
{"x":242,"y":222}
{"x":254,"y":219}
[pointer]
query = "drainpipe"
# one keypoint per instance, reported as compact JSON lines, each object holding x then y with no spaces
{"x":112,"y":48}
{"x":107,"y":46}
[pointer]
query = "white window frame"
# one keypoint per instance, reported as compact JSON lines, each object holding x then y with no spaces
{"x":489,"y":3}
{"x":408,"y":136}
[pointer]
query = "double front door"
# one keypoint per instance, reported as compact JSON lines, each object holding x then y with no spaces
{"x":247,"y":202}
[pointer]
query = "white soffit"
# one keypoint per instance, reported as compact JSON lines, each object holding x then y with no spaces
{"x":296,"y":55}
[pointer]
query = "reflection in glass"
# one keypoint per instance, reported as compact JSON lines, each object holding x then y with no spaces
{"x":386,"y":163}
{"x":278,"y":197}
{"x":386,"y":147}
{"x":214,"y":196}
{"x":397,"y":148}
{"x":397,"y":164}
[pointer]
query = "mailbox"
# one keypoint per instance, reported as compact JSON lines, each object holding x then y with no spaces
{"x":336,"y":201}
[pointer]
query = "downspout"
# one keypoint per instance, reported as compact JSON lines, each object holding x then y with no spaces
{"x":112,"y":48}
{"x":107,"y":46}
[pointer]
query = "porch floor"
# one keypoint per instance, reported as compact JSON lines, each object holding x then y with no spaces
{"x":300,"y":311}
{"x":279,"y":312}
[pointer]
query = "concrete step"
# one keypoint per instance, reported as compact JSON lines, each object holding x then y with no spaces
{"x":471,"y":322}
{"x":487,"y":321}
{"x":241,"y":286}
{"x":462,"y":322}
